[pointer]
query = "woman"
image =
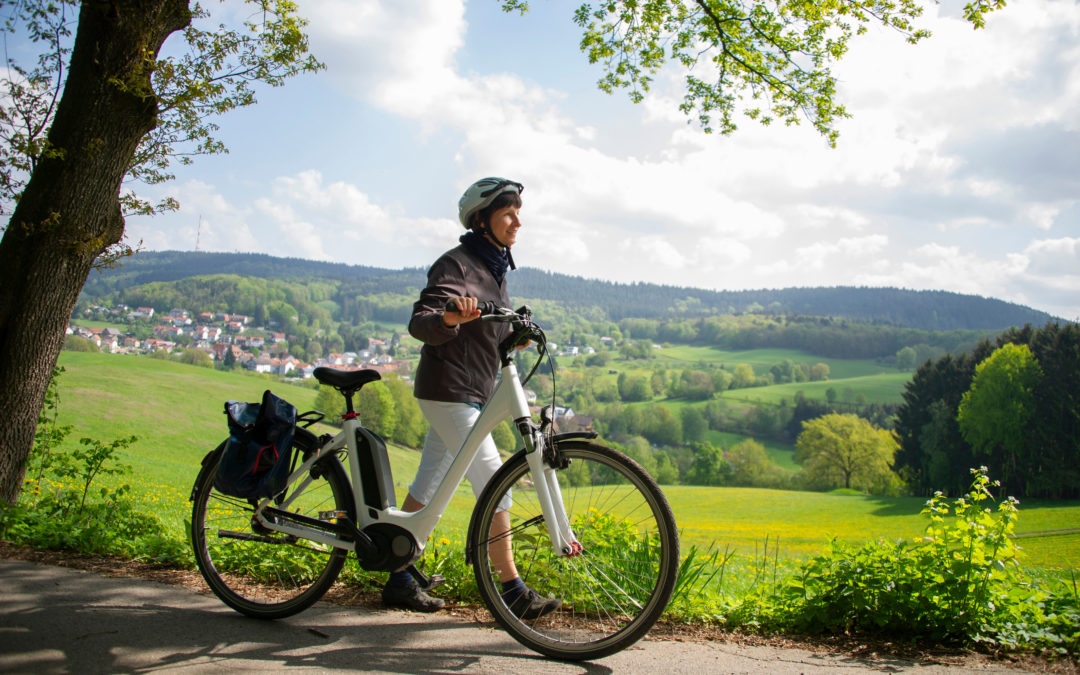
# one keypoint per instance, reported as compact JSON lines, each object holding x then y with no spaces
{"x":456,"y":375}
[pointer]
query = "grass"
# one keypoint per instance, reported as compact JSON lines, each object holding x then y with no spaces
{"x":761,"y":360}
{"x":92,"y":323}
{"x":176,"y":411}
{"x":879,"y":388}
{"x":848,"y":377}
{"x":802,"y":522}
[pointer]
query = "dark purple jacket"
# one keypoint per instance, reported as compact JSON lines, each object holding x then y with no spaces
{"x":457,"y":364}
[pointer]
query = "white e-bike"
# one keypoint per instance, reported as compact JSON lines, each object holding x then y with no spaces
{"x":587,"y":524}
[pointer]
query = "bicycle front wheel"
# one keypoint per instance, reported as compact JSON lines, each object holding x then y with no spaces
{"x":259,"y":572}
{"x":615,"y":589}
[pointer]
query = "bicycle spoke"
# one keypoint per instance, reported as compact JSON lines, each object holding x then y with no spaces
{"x":612,"y":591}
{"x":260,"y":572}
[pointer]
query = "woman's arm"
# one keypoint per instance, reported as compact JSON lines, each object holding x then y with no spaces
{"x":430,"y":322}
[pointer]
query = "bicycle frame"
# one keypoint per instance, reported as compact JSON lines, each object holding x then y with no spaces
{"x":506,"y":402}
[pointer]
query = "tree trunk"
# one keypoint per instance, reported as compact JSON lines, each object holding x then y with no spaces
{"x":70,"y":211}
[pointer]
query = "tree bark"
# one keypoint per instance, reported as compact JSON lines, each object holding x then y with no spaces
{"x":70,"y":211}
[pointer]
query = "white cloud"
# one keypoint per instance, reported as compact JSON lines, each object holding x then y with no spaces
{"x":207,"y":220}
{"x":1041,"y":215}
{"x":718,"y":253}
{"x":654,"y":250}
{"x":336,"y":221}
{"x":935,"y":266}
{"x":370,"y":46}
{"x":299,"y":237}
{"x":821,"y":216}
{"x":851,"y":251}
{"x":1050,"y":258}
{"x":964,"y":222}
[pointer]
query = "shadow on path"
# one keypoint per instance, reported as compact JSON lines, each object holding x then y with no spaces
{"x":59,"y":620}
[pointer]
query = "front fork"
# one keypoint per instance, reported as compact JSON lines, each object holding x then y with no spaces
{"x":546,"y":484}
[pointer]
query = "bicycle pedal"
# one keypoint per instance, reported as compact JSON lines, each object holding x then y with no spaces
{"x":425,"y":582}
{"x":332,"y":516}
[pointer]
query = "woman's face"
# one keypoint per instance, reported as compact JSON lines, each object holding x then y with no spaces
{"x":504,"y":225}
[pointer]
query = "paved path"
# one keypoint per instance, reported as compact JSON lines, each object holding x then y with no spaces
{"x":59,"y":620}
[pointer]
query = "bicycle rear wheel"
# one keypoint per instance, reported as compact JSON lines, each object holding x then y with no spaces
{"x":259,"y":572}
{"x":616,"y":588}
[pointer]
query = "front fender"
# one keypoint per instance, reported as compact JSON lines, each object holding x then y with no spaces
{"x":575,"y":436}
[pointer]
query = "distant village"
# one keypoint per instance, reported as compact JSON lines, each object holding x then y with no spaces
{"x":255,"y":348}
{"x":220,"y":334}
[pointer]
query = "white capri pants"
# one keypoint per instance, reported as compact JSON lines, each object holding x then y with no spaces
{"x":450,"y":424}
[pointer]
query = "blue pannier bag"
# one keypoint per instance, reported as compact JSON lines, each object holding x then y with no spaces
{"x":258,"y":454}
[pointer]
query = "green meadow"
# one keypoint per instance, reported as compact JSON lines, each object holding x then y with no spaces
{"x":848,"y":378}
{"x":176,"y":412}
{"x":761,"y":360}
{"x":884,"y":387}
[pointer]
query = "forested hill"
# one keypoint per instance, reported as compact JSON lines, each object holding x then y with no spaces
{"x":928,"y":310}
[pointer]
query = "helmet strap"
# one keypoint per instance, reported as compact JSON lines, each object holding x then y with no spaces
{"x":485,"y":231}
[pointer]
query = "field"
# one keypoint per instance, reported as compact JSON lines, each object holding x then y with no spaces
{"x":685,"y":356}
{"x":848,"y":378}
{"x":176,"y":411}
{"x":879,"y":388}
{"x":851,"y":380}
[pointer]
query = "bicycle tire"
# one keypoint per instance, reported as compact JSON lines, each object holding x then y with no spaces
{"x":266,"y":574}
{"x":617,"y":587}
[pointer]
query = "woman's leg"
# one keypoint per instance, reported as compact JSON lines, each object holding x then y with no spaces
{"x":411,"y":504}
{"x":450,"y":424}
{"x":401,"y":590}
{"x":501,"y":552}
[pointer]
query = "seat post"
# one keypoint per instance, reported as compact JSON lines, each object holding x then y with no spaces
{"x":347,"y":382}
{"x":349,"y":410}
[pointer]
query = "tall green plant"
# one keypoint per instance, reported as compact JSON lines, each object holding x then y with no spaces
{"x":49,"y":433}
{"x":960,"y":582}
{"x":94,"y":459}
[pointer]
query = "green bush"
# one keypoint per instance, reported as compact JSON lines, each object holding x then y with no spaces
{"x":111,"y":526}
{"x":74,"y":343}
{"x":960,"y":583}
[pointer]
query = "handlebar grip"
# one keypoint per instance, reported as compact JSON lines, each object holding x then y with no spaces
{"x":486,"y":307}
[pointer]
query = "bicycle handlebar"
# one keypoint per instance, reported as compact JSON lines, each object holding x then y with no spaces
{"x":524,"y":331}
{"x":486,"y":307}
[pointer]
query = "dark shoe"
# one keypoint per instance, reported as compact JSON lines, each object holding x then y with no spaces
{"x":411,"y":597}
{"x":531,"y":605}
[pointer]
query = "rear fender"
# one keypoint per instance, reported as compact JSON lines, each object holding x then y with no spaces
{"x":209,"y":463}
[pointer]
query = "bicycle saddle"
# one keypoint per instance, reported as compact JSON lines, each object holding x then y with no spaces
{"x":345,"y":380}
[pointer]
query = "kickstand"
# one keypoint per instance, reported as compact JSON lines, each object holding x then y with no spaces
{"x":426,"y":583}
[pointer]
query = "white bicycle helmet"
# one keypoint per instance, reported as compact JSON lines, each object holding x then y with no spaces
{"x":481,"y":193}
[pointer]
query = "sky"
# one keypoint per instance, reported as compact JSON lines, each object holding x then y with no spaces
{"x":959,"y":169}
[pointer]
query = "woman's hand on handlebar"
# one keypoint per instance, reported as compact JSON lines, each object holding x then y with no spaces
{"x":460,"y":310}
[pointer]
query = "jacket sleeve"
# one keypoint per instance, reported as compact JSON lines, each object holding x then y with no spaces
{"x":446,"y":279}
